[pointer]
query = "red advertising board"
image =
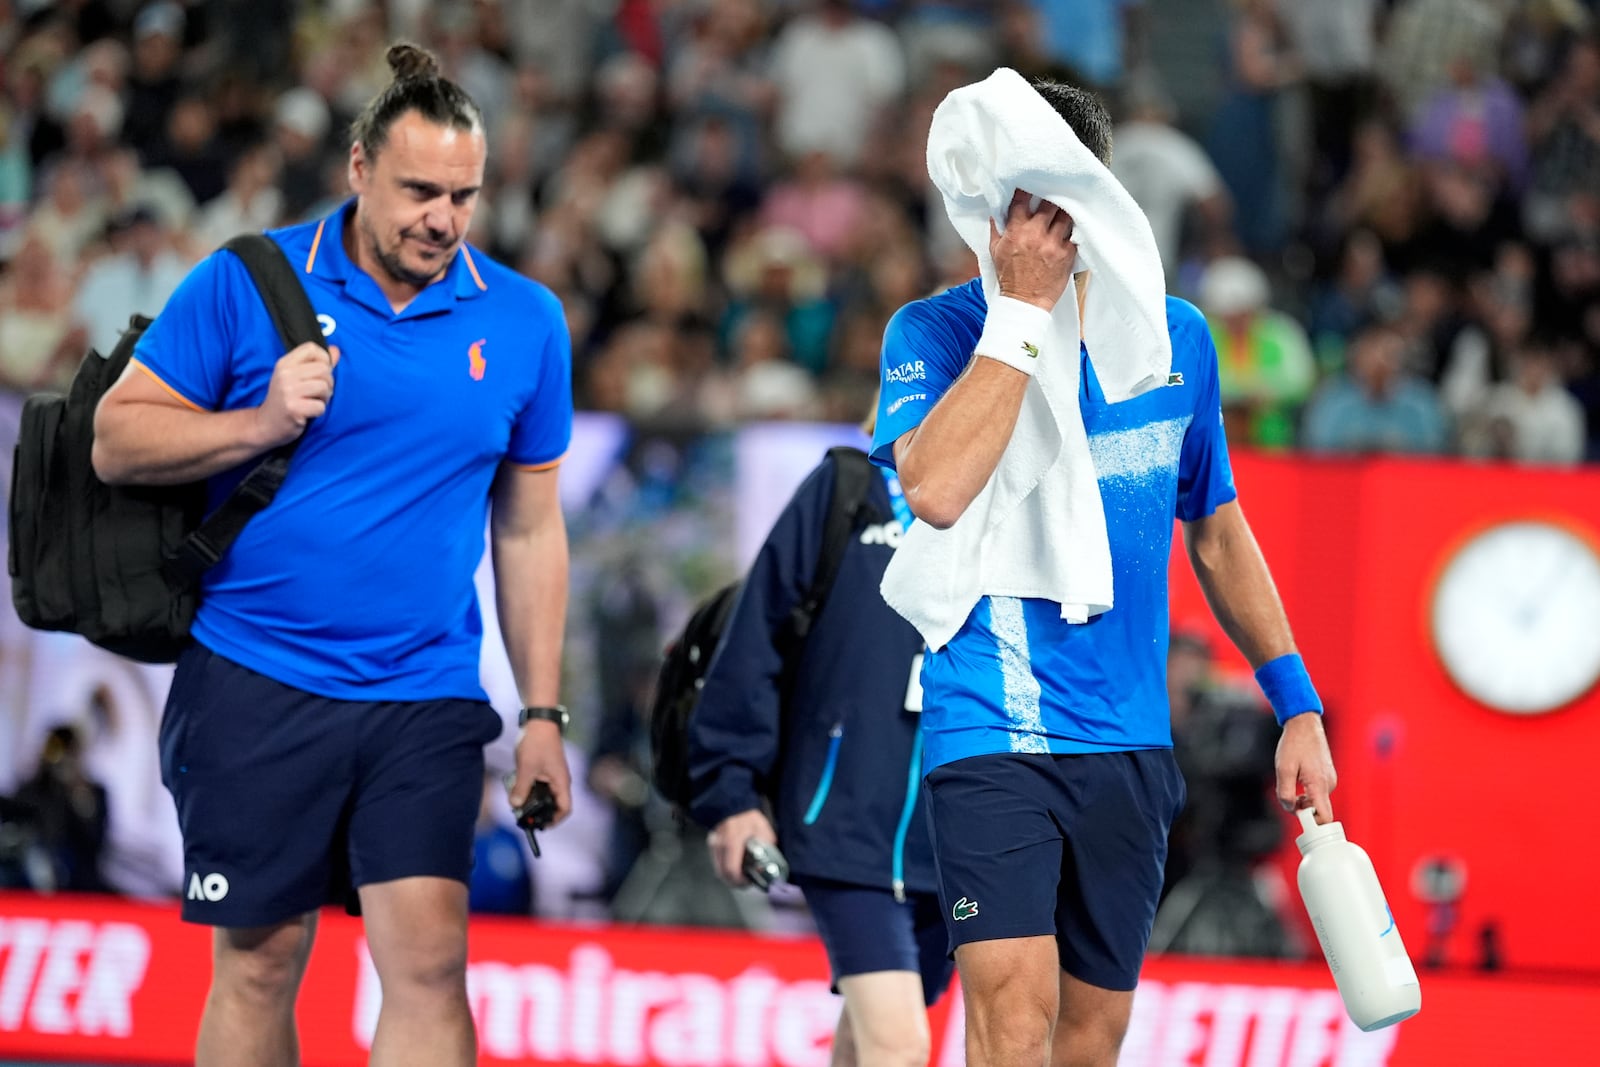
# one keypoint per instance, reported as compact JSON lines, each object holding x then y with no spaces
{"x":115,"y":982}
{"x":1425,"y":770}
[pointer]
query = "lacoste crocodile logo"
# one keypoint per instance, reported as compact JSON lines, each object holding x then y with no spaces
{"x":964,"y":909}
{"x":1031,"y":349}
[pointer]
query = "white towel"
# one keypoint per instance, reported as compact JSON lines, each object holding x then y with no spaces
{"x":1037,"y":529}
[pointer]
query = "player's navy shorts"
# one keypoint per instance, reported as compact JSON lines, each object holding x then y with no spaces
{"x":1070,"y":846}
{"x":288,"y":800}
{"x":866,"y":930}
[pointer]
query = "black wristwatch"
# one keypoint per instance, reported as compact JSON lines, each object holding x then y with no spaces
{"x":556,"y":713}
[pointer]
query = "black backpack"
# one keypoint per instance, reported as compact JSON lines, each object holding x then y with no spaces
{"x":688,"y":656}
{"x":121,"y":565}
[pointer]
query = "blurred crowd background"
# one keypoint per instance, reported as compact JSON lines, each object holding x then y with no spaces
{"x":1388,"y":211}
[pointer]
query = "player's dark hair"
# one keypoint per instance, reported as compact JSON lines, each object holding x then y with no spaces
{"x":418,"y":86}
{"x":1083,"y":111}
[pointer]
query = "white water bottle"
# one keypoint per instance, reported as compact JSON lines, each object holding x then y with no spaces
{"x":1355,"y":927}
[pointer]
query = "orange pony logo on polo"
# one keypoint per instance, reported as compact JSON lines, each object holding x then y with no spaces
{"x":476,"y":364}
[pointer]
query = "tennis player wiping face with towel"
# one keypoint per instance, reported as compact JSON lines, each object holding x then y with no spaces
{"x":1050,"y":774}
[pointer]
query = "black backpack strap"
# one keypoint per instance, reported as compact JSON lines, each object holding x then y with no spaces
{"x":852,"y":477}
{"x":281,"y":291}
{"x":296,"y":322}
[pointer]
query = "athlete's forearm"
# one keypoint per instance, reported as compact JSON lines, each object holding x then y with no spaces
{"x":946,"y":461}
{"x":140,"y":443}
{"x":531,"y":597}
{"x":1238,"y":585}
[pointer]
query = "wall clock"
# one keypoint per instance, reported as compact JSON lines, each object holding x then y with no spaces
{"x":1515,"y":616}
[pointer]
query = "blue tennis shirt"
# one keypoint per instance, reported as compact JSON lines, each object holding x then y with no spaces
{"x":357,"y":582}
{"x":1016,"y":677}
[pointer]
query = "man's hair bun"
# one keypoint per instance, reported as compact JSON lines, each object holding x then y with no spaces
{"x":409,"y":61}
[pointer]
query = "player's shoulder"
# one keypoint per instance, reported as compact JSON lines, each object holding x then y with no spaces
{"x":946,"y":314}
{"x":1190,"y":333}
{"x":1183,"y":317}
{"x":222,"y":269}
{"x":509,"y":290}
{"x":297,"y":238}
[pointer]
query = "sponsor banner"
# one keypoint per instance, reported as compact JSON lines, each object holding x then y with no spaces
{"x":112,"y":981}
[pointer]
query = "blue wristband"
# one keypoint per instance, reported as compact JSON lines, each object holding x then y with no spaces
{"x":1288,"y":687}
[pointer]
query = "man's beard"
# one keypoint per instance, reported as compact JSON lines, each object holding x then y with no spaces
{"x":392,"y":263}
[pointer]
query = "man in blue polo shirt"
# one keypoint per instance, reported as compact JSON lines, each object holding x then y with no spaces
{"x":327,"y":726}
{"x":1051,"y":779}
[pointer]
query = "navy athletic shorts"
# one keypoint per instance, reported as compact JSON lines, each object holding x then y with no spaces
{"x":866,"y":930}
{"x":1070,"y":846}
{"x":289,"y":801}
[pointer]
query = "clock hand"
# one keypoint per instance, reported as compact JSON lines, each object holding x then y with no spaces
{"x":1534,"y":606}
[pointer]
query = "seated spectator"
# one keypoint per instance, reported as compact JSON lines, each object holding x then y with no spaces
{"x":138,"y":277}
{"x":1580,"y":368}
{"x":1475,"y":121}
{"x":1482,"y":353}
{"x":1096,"y":39}
{"x":628,"y":97}
{"x":1244,"y":140}
{"x":1375,"y":406}
{"x":1538,"y":35}
{"x":1430,"y":320}
{"x":458,"y":38}
{"x":720,"y":70}
{"x":1337,"y":44}
{"x":1265,"y":367}
{"x":768,"y":384}
{"x":775,"y":271}
{"x":942,"y":33}
{"x":71,"y":217}
{"x":16,"y":178}
{"x":635,"y":373}
{"x":1424,"y":37}
{"x":670,"y":274}
{"x":719,"y":183}
{"x":1564,"y":129}
{"x":1530,"y":419}
{"x":251,"y":202}
{"x":819,"y":203}
{"x":29,"y":68}
{"x":192,"y":149}
{"x":92,"y":128}
{"x":1363,"y":291}
{"x":1381,"y":192}
{"x":40,"y":346}
{"x":1167,"y":173}
{"x":1468,"y":221}
{"x":154,"y":85}
{"x":129,"y":186}
{"x":852,"y":379}
{"x":833,"y":70}
{"x":301,"y":124}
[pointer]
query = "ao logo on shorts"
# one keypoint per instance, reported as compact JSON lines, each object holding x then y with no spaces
{"x":212,"y":887}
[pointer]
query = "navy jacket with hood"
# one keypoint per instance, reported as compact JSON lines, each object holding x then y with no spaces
{"x":845,"y":752}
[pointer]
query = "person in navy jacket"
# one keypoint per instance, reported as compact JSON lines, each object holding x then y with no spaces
{"x":841,"y":758}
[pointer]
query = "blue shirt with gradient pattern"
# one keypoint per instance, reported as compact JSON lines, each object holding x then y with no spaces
{"x":357,"y":582}
{"x":1016,"y":677}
